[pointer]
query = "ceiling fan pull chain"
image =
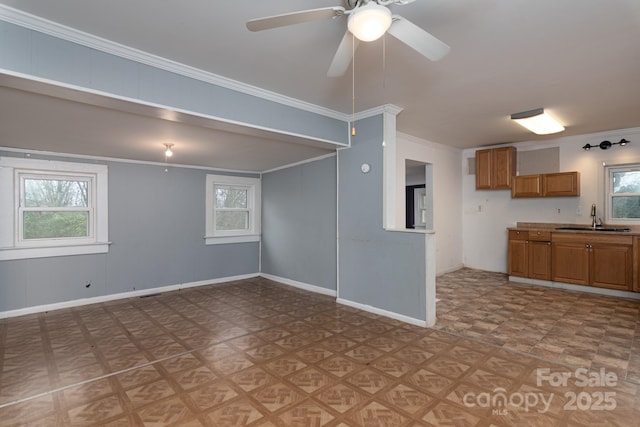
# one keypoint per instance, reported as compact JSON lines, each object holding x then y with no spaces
{"x":384,"y":61}
{"x":353,"y":85}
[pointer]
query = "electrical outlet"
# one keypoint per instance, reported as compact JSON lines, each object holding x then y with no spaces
{"x":579,"y":210}
{"x":558,"y":211}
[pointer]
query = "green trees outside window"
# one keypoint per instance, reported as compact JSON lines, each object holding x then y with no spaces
{"x":55,"y":208}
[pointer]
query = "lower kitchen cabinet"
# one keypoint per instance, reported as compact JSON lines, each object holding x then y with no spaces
{"x":540,"y":260}
{"x":570,"y":262}
{"x":612,"y":267}
{"x":518,"y":253}
{"x":604,"y":261}
{"x":599,"y":259}
{"x":529,"y":254}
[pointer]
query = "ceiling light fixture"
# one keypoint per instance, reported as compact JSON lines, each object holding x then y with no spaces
{"x":370,"y":22}
{"x":605,"y":145}
{"x":538,"y":122}
{"x":168,"y":153}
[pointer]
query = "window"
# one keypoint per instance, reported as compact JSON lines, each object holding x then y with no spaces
{"x":51,"y":208}
{"x":233,"y":209}
{"x":55,"y":207}
{"x":622,"y":193}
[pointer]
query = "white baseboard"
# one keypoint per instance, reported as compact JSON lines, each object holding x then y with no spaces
{"x":300,"y":285}
{"x":122,"y":295}
{"x":580,"y":288}
{"x":382,"y":312}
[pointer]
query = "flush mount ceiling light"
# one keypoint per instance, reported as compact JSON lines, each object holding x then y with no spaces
{"x":168,"y":153}
{"x":538,"y":122}
{"x":370,"y":22}
{"x":605,"y":145}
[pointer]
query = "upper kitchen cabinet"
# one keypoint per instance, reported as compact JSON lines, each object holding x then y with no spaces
{"x":495,"y":168}
{"x":527,"y":186}
{"x":561,"y":184}
{"x":546,"y":185}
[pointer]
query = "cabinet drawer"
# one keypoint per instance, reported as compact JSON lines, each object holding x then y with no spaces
{"x":539,"y":235}
{"x":518,"y":235}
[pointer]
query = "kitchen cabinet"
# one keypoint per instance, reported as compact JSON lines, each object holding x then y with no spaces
{"x":526,"y":186}
{"x":560,"y":184}
{"x":495,"y":168}
{"x":518,"y":253}
{"x":529,"y":254}
{"x":599,"y":260}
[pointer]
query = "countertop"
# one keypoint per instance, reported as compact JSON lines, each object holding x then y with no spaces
{"x":634,"y":230}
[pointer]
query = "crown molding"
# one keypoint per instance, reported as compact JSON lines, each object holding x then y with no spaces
{"x":302,"y":162}
{"x":28,"y":152}
{"x":375,"y":111}
{"x":36,"y":23}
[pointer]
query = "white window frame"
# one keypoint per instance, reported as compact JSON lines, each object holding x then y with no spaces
{"x":21,"y":175}
{"x":609,"y":195}
{"x":13,"y":171}
{"x":252,"y":233}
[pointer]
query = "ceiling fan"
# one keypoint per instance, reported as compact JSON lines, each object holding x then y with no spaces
{"x":368,"y":21}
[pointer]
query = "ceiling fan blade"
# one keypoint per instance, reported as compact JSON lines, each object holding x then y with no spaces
{"x":276,"y":21}
{"x":418,"y":39}
{"x":343,"y":56}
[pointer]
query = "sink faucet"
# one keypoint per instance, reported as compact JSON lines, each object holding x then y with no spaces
{"x":593,"y":216}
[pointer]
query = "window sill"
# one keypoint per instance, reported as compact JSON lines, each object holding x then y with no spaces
{"x":7,"y":254}
{"x":222,"y":240}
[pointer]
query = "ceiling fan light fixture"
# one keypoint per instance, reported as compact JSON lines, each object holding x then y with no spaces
{"x":538,"y":122}
{"x":370,"y":22}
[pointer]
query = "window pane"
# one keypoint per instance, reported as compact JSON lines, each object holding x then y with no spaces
{"x":626,"y":182}
{"x":50,"y":225}
{"x":56,"y":193}
{"x":232,"y":220}
{"x":227,"y":197}
{"x":626,"y":207}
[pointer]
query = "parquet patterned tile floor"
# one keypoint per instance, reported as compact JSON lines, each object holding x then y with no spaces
{"x":258,"y":353}
{"x":573,"y":328}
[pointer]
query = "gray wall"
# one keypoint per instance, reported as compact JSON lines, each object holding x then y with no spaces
{"x":299,"y":223}
{"x":30,"y":52}
{"x":379,"y":268}
{"x":157,"y":226}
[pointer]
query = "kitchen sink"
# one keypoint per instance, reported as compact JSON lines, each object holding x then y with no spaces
{"x":618,"y":229}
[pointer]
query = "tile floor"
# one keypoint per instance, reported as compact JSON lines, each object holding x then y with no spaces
{"x":258,"y":353}
{"x":573,"y":328}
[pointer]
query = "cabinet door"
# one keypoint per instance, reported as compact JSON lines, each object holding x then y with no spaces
{"x":503,"y":168}
{"x":518,"y":258}
{"x":540,"y":260}
{"x":526,"y":186}
{"x":483,"y":169}
{"x":570,"y":263}
{"x":561,"y":184}
{"x":612,"y":266}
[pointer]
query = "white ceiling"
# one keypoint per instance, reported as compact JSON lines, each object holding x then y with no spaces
{"x":579,"y":59}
